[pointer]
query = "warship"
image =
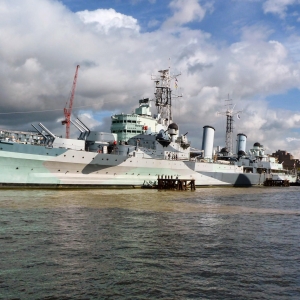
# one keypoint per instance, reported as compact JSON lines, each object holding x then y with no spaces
{"x":140,"y":148}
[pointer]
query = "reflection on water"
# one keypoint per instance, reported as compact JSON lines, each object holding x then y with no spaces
{"x":214,"y":243}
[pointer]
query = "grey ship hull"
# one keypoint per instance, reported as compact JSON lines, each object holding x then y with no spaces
{"x":24,"y":165}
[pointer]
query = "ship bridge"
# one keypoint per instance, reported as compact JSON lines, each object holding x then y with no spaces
{"x":126,"y":126}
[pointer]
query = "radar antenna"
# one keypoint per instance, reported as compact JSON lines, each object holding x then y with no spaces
{"x":229,"y":113}
{"x":163,"y":95}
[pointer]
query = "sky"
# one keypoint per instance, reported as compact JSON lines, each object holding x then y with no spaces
{"x":244,"y":50}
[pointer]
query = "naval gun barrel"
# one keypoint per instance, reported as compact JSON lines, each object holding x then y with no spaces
{"x":77,"y":126}
{"x":47,"y":130}
{"x":79,"y":122}
{"x":38,"y":131}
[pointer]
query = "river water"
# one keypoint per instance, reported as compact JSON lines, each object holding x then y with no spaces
{"x":214,"y":243}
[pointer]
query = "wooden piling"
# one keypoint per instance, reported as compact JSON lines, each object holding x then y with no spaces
{"x":271,"y":182}
{"x":175,"y":184}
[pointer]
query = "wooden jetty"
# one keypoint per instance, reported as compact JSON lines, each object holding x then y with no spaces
{"x":271,"y":182}
{"x":170,"y":183}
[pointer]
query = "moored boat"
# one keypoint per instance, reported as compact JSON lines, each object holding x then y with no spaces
{"x":140,"y":148}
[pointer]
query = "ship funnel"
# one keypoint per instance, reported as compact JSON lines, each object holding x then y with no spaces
{"x":241,"y":144}
{"x":208,"y":141}
{"x":47,"y":130}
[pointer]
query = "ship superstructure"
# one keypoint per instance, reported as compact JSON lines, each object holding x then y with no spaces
{"x":126,"y":126}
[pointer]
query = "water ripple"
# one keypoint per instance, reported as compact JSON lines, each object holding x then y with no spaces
{"x":215,"y":243}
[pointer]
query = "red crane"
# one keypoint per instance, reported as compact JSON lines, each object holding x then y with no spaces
{"x":68,"y":111}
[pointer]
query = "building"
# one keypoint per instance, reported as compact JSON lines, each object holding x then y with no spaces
{"x":288,"y":160}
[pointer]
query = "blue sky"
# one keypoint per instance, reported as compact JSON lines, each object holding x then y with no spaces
{"x":249,"y":49}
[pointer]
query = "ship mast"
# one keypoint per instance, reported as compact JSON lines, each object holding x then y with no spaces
{"x":163,"y":95}
{"x":229,"y":113}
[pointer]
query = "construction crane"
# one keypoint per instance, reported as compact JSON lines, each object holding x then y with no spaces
{"x":68,"y":110}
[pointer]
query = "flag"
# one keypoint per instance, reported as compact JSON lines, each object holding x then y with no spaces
{"x":176,"y":83}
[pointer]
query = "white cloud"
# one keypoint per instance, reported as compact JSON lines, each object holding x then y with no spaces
{"x":278,"y":7}
{"x":107,"y":19}
{"x":292,"y":139}
{"x":153,"y":23}
{"x":184,"y":11}
{"x":87,"y":117}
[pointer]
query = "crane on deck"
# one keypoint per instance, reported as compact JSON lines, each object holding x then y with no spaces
{"x":68,"y":110}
